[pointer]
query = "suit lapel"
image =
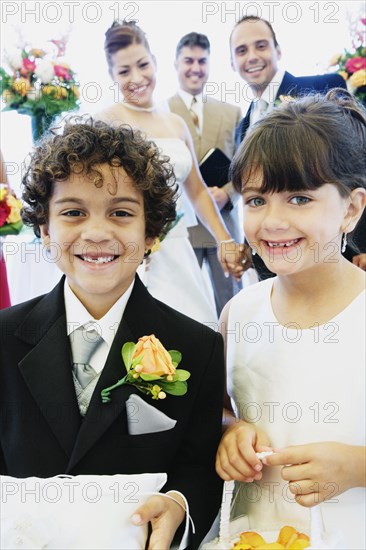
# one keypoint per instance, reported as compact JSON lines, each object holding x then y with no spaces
{"x":243,"y":127}
{"x":46,"y":369}
{"x":288,"y":85}
{"x":140,"y":318}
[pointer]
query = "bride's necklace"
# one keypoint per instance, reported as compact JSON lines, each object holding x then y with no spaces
{"x":142,"y":109}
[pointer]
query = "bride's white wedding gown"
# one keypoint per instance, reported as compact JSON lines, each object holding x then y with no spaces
{"x":173,"y":274}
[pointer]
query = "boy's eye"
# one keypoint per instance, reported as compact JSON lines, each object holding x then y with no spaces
{"x":299,"y":200}
{"x":255,"y":201}
{"x":121,"y":214}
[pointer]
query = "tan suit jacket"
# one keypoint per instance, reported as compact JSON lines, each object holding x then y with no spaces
{"x":219,"y":123}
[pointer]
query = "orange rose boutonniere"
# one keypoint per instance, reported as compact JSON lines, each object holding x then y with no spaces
{"x":151,"y":369}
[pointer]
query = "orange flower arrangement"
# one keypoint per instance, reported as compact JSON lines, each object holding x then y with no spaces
{"x":352,"y":64}
{"x":151,"y":369}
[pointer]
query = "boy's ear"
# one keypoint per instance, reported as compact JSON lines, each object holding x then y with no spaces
{"x":356,"y":205}
{"x":149,"y":243}
{"x":43,"y":229}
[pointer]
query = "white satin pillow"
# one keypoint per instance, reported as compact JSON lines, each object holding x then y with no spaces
{"x":83,"y":512}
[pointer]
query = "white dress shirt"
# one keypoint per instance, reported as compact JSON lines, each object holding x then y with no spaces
{"x":197,"y":107}
{"x":269,"y":95}
{"x":77,"y":315}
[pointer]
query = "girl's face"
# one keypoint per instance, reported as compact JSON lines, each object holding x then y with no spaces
{"x":295,"y":231}
{"x":134,"y":68}
{"x":97,"y":239}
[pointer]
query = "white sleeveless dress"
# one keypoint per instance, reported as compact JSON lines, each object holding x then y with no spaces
{"x":299,"y":386}
{"x":174,"y":275}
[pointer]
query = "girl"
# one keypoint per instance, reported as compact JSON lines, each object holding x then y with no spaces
{"x":295,"y":344}
{"x":173,"y":273}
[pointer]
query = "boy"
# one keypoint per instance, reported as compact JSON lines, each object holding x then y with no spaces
{"x":98,"y":197}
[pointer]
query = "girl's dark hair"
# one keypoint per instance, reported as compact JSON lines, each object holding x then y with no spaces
{"x":121,"y":35}
{"x":304,"y":144}
{"x":81,"y":147}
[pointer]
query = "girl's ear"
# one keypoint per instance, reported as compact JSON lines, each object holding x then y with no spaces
{"x":356,"y":205}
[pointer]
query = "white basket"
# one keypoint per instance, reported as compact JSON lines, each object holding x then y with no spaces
{"x":229,"y":531}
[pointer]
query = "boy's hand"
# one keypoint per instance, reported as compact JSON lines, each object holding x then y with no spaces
{"x":236,"y":456}
{"x":165,"y":516}
{"x":317,"y":472}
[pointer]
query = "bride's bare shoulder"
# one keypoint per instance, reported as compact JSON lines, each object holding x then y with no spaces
{"x":176,"y":122}
{"x":109,"y":115}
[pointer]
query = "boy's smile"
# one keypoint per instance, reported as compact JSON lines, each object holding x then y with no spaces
{"x":100,"y":236}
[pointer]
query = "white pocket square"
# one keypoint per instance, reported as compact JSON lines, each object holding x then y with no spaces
{"x":143,"y":418}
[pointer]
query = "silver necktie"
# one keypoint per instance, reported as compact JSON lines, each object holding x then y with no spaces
{"x":85,"y":344}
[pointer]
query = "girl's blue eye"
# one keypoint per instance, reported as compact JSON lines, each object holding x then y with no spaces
{"x":300,"y":200}
{"x":73,"y":213}
{"x":255,"y":201}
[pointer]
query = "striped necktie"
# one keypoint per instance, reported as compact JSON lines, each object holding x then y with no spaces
{"x":194,"y":115}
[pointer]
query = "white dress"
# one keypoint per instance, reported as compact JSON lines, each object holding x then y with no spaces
{"x":299,"y":386}
{"x":174,"y":275}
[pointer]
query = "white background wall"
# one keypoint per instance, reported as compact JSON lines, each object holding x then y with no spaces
{"x":309,"y":32}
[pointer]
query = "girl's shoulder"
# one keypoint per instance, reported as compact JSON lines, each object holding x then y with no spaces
{"x":250,"y":298}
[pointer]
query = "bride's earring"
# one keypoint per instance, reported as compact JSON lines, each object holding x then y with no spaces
{"x":254,"y":252}
{"x":344,"y":242}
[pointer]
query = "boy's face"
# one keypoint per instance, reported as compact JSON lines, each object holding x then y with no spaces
{"x":97,"y":239}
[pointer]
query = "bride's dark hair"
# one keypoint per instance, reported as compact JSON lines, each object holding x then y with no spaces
{"x":121,"y":35}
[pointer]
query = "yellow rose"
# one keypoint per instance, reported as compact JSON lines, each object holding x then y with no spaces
{"x":49,"y":89}
{"x":75,"y":90}
{"x":155,"y":358}
{"x":358,"y":78}
{"x":61,"y":92}
{"x":15,"y":206}
{"x":21,"y":86}
{"x":343,"y":74}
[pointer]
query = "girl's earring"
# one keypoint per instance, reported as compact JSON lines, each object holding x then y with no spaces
{"x":254,"y":252}
{"x":344,"y":243}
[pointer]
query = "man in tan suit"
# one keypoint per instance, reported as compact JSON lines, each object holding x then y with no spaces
{"x":212,"y":124}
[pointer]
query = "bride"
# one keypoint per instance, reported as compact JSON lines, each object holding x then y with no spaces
{"x":173,"y":274}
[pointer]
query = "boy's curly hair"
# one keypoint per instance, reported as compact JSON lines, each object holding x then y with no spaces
{"x":80,"y":148}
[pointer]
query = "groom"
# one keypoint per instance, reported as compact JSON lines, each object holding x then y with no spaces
{"x":255,"y":54}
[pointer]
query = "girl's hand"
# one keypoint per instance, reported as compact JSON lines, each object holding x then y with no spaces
{"x":236,"y":458}
{"x":320,"y":471}
{"x":235,"y":258}
{"x":165,"y":516}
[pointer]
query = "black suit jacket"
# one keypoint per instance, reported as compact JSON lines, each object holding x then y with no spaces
{"x":42,"y":433}
{"x":295,"y":86}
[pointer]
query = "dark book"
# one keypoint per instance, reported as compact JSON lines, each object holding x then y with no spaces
{"x":214,"y":168}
